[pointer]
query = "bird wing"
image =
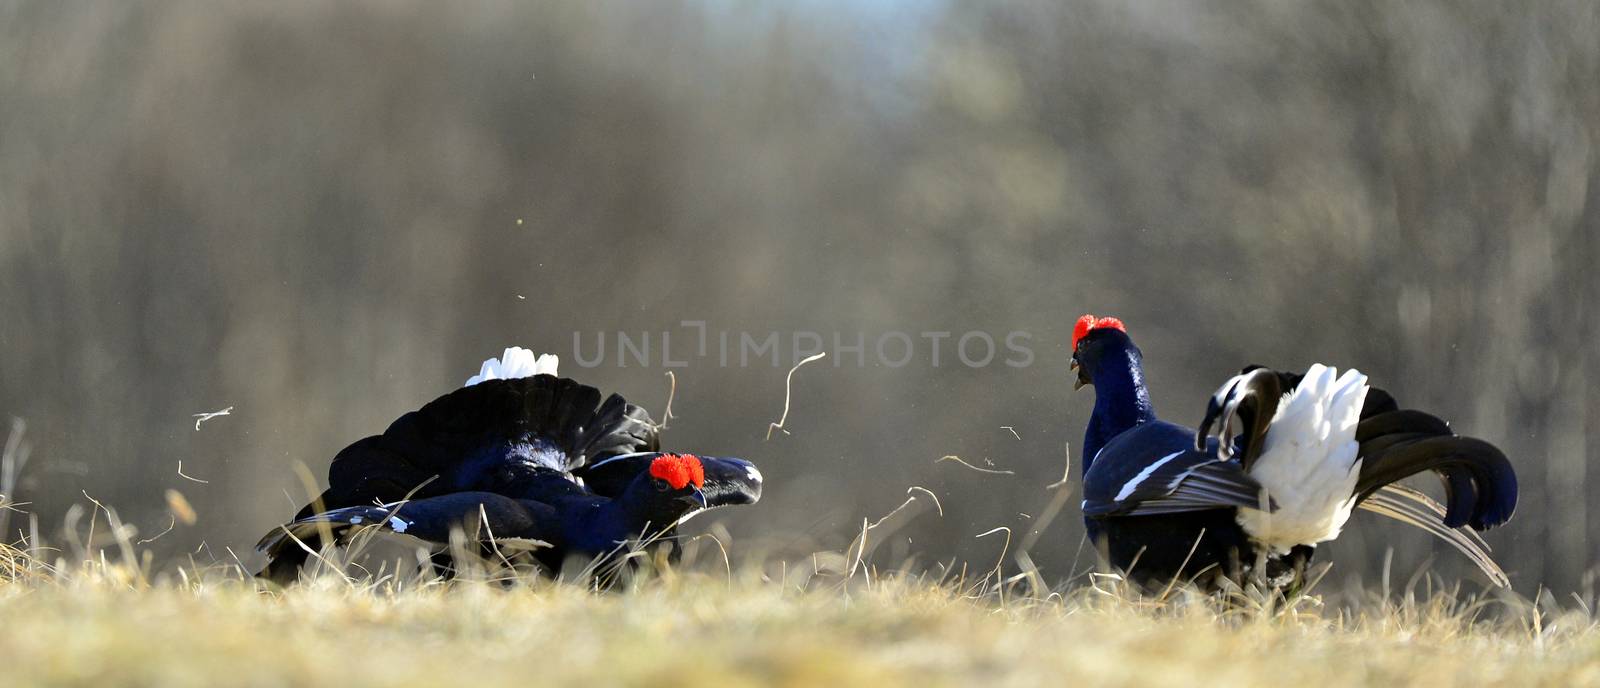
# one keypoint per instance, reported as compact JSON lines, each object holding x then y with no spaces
{"x":484,"y":516}
{"x":729,"y":481}
{"x":1152,"y":469}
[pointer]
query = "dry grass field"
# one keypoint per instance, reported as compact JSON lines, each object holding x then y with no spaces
{"x":96,"y":622}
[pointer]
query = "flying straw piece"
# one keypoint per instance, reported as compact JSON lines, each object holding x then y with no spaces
{"x":181,"y":474}
{"x":1003,"y":550}
{"x":172,"y":522}
{"x":203,"y":417}
{"x":1012,"y":430}
{"x":1066,"y":474}
{"x":930,"y":493}
{"x":788,"y":386}
{"x":859,"y":545}
{"x":957,"y":459}
{"x":1051,"y":510}
{"x":671,"y":393}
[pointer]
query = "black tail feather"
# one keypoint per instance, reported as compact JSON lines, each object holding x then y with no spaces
{"x":618,"y":427}
{"x":1378,"y":401}
{"x":1480,"y":485}
{"x":436,"y":440}
{"x":1396,"y":443}
{"x":569,"y":407}
{"x":1374,"y":425}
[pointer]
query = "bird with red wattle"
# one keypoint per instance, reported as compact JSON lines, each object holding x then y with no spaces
{"x":1276,"y":466}
{"x":519,"y":459}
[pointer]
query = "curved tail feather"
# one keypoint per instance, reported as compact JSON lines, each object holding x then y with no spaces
{"x":1480,"y":485}
{"x":1409,"y":506}
{"x":1396,"y":443}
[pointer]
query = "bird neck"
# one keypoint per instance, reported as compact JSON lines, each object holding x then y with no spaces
{"x":1121,"y":400}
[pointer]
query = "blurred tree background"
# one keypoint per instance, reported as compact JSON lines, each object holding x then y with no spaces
{"x":326,"y":214}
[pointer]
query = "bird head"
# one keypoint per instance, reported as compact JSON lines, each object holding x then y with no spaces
{"x":679,"y":478}
{"x":1089,"y":339}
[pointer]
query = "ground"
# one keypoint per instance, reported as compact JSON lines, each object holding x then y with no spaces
{"x":97,"y":623}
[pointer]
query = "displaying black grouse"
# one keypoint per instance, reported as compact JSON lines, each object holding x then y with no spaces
{"x":518,"y":457}
{"x":1276,"y":467}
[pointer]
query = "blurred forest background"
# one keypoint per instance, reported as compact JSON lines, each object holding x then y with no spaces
{"x":325,"y":214}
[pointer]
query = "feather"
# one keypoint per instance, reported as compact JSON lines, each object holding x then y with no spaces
{"x":481,"y":514}
{"x":1309,"y":460}
{"x":1480,"y":484}
{"x":1253,"y":397}
{"x":515,"y":362}
{"x":1210,"y":484}
{"x":1414,"y":508}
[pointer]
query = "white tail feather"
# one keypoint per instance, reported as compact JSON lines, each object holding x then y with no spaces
{"x":1309,"y":461}
{"x":514,"y":363}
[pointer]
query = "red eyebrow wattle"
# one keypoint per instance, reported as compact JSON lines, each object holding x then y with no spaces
{"x":1089,"y":323}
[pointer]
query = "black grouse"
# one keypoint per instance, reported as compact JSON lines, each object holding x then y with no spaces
{"x":1276,"y":467}
{"x":518,"y":457}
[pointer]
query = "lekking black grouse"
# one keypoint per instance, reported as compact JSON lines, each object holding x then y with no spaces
{"x":517,"y":457}
{"x":1276,"y":466}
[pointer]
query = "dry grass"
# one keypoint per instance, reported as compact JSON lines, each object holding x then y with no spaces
{"x":98,"y":622}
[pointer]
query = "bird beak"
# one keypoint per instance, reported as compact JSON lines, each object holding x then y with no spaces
{"x":696,"y":498}
{"x":1077,"y":382}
